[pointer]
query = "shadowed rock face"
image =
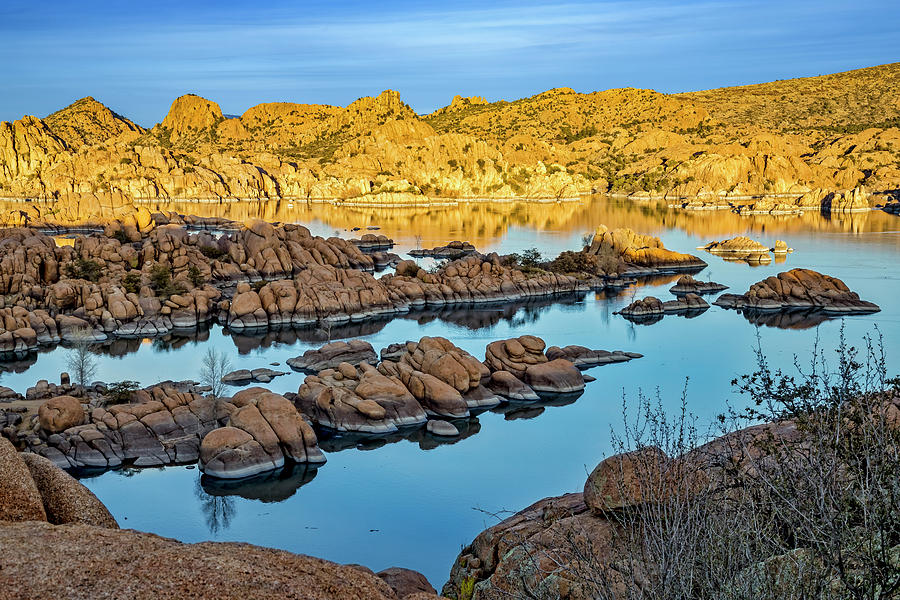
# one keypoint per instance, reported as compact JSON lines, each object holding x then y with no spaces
{"x":799,"y":289}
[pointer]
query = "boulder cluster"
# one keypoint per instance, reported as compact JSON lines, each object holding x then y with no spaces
{"x":799,"y":289}
{"x":262,"y":431}
{"x":654,"y":307}
{"x":433,"y":378}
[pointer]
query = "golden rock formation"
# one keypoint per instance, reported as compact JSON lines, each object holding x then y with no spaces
{"x":778,"y":148}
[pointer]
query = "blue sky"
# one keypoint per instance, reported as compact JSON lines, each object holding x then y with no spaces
{"x":137,"y":57}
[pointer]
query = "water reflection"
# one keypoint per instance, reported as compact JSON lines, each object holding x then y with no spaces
{"x":274,"y":486}
{"x":218,"y":509}
{"x":788,"y":319}
{"x":339,"y":441}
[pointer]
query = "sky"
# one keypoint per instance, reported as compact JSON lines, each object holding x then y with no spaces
{"x":136,"y":57}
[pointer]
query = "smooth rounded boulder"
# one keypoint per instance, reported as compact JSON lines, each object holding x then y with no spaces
{"x":20,"y":499}
{"x":65,"y":499}
{"x":556,"y":376}
{"x":232,"y":453}
{"x":60,"y":413}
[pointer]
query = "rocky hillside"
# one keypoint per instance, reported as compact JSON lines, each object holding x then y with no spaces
{"x":798,"y":141}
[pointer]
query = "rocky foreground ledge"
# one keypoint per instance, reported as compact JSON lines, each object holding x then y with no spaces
{"x":60,"y":541}
{"x":591,"y":543}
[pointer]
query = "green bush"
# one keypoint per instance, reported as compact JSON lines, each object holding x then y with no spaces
{"x":212,"y":252}
{"x":195,"y":276}
{"x":132,"y":282}
{"x":119,"y":392}
{"x":161,"y":281}
{"x":82,"y":268}
{"x":574,"y":262}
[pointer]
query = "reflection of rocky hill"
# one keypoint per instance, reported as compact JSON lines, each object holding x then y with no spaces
{"x":803,"y":137}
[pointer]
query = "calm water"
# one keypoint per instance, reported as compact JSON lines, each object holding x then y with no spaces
{"x":413,"y":502}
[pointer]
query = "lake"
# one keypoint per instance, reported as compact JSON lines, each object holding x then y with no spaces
{"x":410,"y":501}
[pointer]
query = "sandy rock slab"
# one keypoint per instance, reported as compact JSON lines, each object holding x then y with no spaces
{"x":82,"y":562}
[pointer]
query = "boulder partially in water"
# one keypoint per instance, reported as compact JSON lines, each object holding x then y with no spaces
{"x":687,"y":284}
{"x":332,"y":354}
{"x":585,"y":358}
{"x":799,"y":289}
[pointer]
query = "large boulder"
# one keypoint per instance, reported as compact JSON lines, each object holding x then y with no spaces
{"x":331,"y":355}
{"x":20,"y":499}
{"x":557,"y":376}
{"x":625,"y":480}
{"x":60,"y":413}
{"x":799,"y":288}
{"x":65,"y":499}
{"x":232,"y":453}
{"x":515,"y":355}
{"x":406,"y":582}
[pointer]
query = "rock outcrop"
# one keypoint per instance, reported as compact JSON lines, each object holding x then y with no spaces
{"x":74,"y":562}
{"x":263,"y":430}
{"x":332,"y":354}
{"x":799,"y":289}
{"x":697,"y":150}
{"x":650,"y":307}
{"x":686,"y":284}
{"x":642,"y":251}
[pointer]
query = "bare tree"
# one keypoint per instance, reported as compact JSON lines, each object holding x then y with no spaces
{"x":214,"y":367}
{"x":80,"y":361}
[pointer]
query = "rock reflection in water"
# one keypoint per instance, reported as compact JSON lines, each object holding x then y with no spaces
{"x":336,"y":442}
{"x":274,"y":486}
{"x":788,"y":319}
{"x":528,"y":410}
